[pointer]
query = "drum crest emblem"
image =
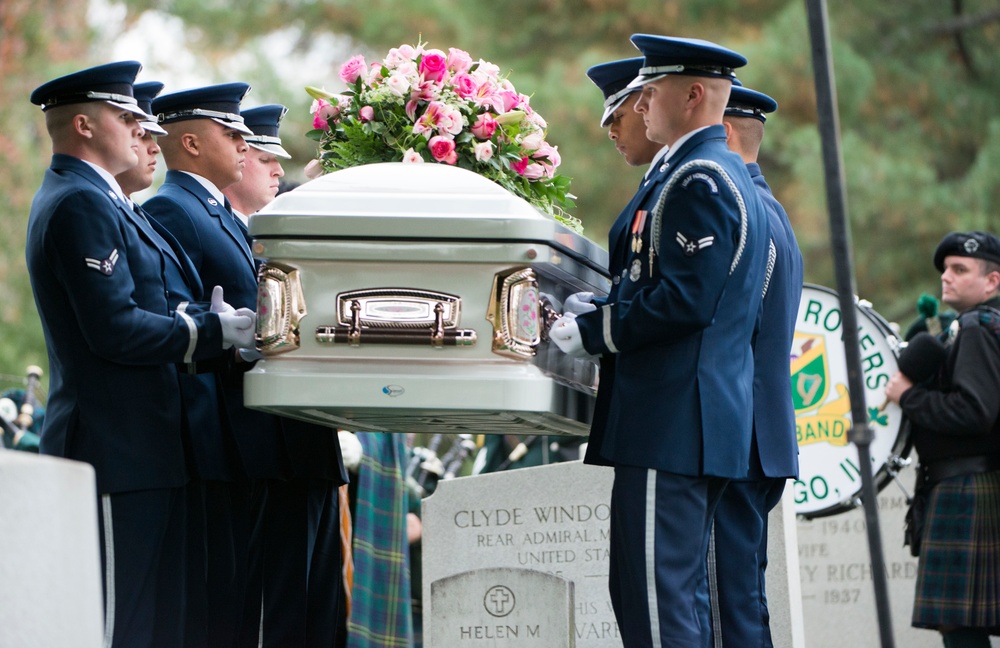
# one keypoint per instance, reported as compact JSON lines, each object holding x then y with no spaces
{"x":818,"y":419}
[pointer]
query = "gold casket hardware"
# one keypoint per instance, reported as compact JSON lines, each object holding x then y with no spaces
{"x":377,"y":328}
{"x":519,"y":312}
{"x":281,"y":306}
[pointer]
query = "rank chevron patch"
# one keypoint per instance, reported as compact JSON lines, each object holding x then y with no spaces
{"x":692,"y":247}
{"x":104,"y":266}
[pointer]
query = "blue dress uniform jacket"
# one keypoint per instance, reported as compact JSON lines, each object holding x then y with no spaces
{"x":210,"y":439}
{"x":774,"y":415}
{"x":741,"y":517}
{"x":97,"y":272}
{"x":681,"y":318}
{"x":209,"y":235}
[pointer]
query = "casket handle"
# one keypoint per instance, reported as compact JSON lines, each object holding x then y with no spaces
{"x":436,"y":335}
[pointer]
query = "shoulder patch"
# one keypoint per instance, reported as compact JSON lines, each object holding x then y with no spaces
{"x":699,"y":176}
{"x":104,"y":266}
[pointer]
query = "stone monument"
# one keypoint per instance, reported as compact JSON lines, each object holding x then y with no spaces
{"x":503,"y":606}
{"x":50,"y":572}
{"x":556,"y":519}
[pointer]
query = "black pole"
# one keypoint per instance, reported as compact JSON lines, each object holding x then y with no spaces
{"x":861,"y":433}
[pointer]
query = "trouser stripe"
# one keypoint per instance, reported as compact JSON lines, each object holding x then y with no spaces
{"x":654,"y":615}
{"x":109,"y":572}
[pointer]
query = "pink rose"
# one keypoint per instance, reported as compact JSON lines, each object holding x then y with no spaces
{"x":533,"y":171}
{"x":399,"y":54}
{"x":367,"y":113}
{"x":433,"y":65}
{"x":354,"y":68}
{"x":510,"y":99}
{"x":323,"y":111}
{"x":548,"y":152}
{"x":484,"y":127}
{"x":487,"y":69}
{"x":443,"y":149}
{"x":532,"y":142}
{"x":520,"y":166}
{"x":484,"y":151}
{"x":465,"y":85}
{"x":451,"y":121}
{"x":412,"y":157}
{"x":459,"y":60}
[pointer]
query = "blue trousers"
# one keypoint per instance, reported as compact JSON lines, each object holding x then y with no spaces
{"x":302,"y":564}
{"x":741,"y":558}
{"x":143,"y":555}
{"x":660,"y":524}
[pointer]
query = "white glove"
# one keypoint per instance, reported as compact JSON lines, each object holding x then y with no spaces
{"x":350,"y":450}
{"x":566,"y":334}
{"x":579,"y":303}
{"x":219,"y":306}
{"x":238,"y":328}
{"x":250,"y":355}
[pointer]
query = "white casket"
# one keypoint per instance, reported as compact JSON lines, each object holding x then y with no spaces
{"x":416,"y":298}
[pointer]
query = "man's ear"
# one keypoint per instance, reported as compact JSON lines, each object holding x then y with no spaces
{"x":696,"y":92}
{"x":190,"y":144}
{"x":993,"y":282}
{"x":82,"y":125}
{"x":729,"y":130}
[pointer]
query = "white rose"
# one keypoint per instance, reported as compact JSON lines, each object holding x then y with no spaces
{"x":484,"y":151}
{"x":398,"y":84}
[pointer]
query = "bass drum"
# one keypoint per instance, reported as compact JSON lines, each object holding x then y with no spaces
{"x":829,"y":477}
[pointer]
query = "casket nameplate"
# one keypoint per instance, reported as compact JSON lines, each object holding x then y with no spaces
{"x":397,"y":316}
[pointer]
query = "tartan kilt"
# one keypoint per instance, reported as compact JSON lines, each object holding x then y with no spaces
{"x":958,"y":576}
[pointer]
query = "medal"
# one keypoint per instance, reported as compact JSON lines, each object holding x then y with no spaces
{"x":638,"y":222}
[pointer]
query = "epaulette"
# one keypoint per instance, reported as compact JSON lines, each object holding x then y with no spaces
{"x":984,"y":316}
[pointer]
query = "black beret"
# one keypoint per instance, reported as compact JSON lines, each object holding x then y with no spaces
{"x":977,"y":245}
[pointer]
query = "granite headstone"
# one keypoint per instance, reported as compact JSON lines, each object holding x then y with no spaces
{"x":501,"y":607}
{"x":838,"y":596}
{"x":552,"y":519}
{"x":556,"y":519}
{"x":50,"y":565}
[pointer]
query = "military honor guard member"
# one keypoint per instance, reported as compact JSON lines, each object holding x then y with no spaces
{"x":689,"y":257}
{"x":204,"y":151}
{"x":741,"y":518}
{"x":114,"y":342}
{"x":628,"y":132}
{"x":262,"y":170}
{"x":299,"y":521}
{"x":277,"y":563}
{"x":955,"y":419}
{"x":626,"y":127}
